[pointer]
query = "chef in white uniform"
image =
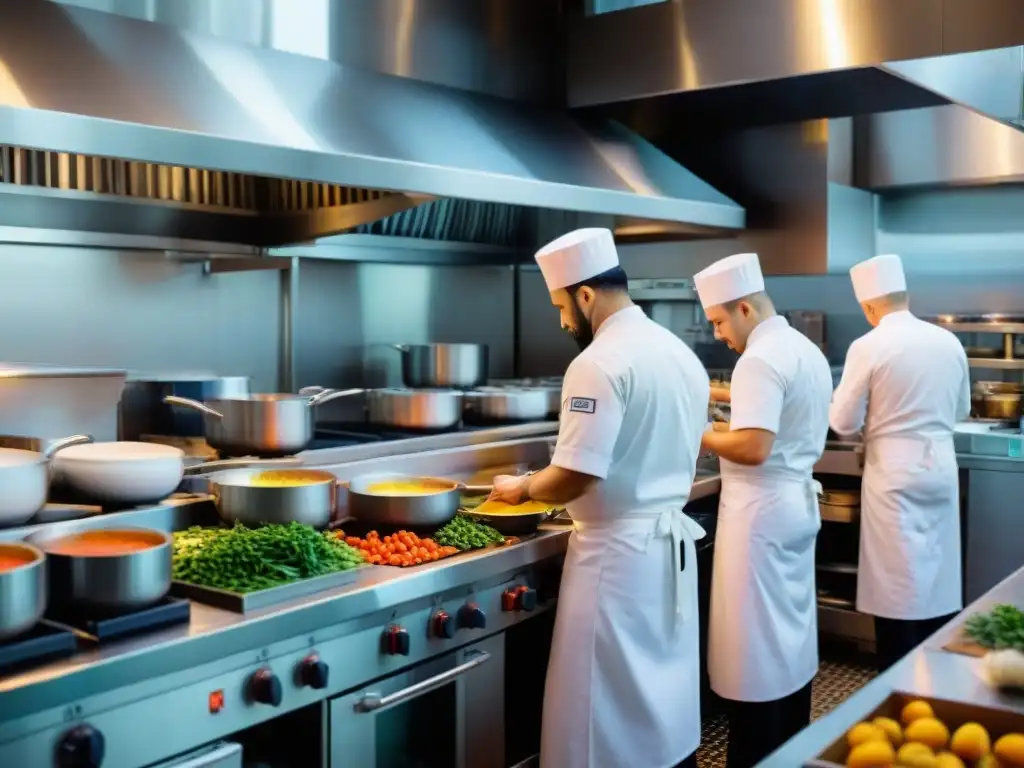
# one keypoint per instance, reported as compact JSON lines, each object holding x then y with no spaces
{"x":763,"y":638}
{"x":623,"y":685}
{"x":905,"y":384}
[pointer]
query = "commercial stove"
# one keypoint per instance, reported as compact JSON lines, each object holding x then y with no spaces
{"x":438,"y":646}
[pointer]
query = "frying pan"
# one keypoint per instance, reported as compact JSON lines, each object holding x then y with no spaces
{"x":25,"y":476}
{"x":514,"y":525}
{"x":131,"y":473}
{"x":414,"y":510}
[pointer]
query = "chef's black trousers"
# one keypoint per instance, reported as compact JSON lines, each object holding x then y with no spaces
{"x":895,"y":638}
{"x":758,"y":728}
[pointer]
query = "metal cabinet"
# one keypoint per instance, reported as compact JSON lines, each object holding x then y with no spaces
{"x":995,"y":495}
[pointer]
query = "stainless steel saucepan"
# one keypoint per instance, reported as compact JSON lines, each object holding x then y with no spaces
{"x":257,"y":497}
{"x":95,"y":571}
{"x":489,"y":405}
{"x":439,"y":366}
{"x":261,"y":425}
{"x":427,"y":409}
{"x":405,"y":500}
{"x":22,"y":587}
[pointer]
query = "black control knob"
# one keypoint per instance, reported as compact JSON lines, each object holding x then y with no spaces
{"x":396,"y":641}
{"x":265,"y":687}
{"x":471,"y":617}
{"x":444,"y":626}
{"x":526,"y":600}
{"x":81,"y":747}
{"x":314,"y":672}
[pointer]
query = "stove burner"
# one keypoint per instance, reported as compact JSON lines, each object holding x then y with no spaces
{"x":43,"y":641}
{"x":170,"y":610}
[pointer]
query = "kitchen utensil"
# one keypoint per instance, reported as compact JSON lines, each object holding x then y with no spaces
{"x":25,"y":477}
{"x":106,"y":584}
{"x":121,"y":472}
{"x":426,"y":409}
{"x":505,"y":405}
{"x":439,"y":366}
{"x":22,"y":589}
{"x":413,"y":510}
{"x":239,"y":499}
{"x":143,"y":411}
{"x":514,"y":525}
{"x":264,"y":425}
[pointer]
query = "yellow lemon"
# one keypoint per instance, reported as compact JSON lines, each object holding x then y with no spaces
{"x":862,"y":732}
{"x":871,"y":754}
{"x":1010,"y":750}
{"x":971,"y":742}
{"x":915,"y":756}
{"x":890,"y":728}
{"x":929,"y":731}
{"x":915,"y":710}
{"x":988,"y":761}
{"x":948,"y":760}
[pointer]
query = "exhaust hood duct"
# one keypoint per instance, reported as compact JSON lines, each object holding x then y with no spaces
{"x":724,"y":64}
{"x":85,"y":84}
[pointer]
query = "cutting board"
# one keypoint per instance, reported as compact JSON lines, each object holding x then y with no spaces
{"x":965,"y":646}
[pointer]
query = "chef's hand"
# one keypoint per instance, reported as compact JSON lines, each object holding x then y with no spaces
{"x":721,"y":395}
{"x":508,"y":488}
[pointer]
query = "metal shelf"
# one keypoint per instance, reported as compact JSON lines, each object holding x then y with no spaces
{"x":982,"y":327}
{"x":1000,"y":363}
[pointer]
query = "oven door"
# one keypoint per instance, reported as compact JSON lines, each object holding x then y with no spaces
{"x":224,"y":754}
{"x":448,"y":712}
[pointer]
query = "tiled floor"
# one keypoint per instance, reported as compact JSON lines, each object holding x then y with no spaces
{"x":839,"y":676}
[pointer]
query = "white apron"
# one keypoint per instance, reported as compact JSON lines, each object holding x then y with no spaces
{"x":623,"y":683}
{"x":910,"y":529}
{"x":763,"y":635}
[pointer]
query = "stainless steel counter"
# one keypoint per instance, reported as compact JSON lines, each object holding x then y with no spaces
{"x":927,"y":671}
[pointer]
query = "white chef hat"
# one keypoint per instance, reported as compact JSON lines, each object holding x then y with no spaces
{"x":879,"y":276}
{"x":729,"y":279}
{"x":577,"y":256}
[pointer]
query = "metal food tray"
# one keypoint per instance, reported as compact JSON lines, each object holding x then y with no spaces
{"x":244,"y":602}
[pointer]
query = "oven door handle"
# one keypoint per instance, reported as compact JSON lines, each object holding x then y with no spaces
{"x":374,"y":702}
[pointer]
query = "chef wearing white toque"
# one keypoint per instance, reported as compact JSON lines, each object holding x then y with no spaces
{"x":623,"y":685}
{"x":763,"y":640}
{"x":905,"y":384}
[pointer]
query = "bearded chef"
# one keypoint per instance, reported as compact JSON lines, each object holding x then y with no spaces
{"x":763,"y":640}
{"x":623,"y":685}
{"x":905,"y":384}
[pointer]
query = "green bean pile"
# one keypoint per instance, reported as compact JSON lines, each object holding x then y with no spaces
{"x":241,"y":559}
{"x":465,"y":533}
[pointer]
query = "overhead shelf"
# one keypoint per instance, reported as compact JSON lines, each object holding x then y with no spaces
{"x":1007,"y":326}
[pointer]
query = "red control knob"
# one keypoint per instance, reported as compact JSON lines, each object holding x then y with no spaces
{"x":396,"y":641}
{"x":314,"y":672}
{"x":444,"y":626}
{"x":265,"y":687}
{"x":508,"y":600}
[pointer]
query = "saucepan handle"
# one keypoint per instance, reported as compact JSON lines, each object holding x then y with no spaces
{"x":211,"y":466}
{"x":65,"y":442}
{"x":195,"y":405}
{"x":321,"y":395}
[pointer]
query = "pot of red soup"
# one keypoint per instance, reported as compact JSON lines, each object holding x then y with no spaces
{"x":22,"y":588}
{"x":106,"y":571}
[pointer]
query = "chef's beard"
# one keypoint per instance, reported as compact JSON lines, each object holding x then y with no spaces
{"x":583,"y":333}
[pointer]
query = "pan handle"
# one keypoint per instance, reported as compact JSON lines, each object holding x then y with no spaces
{"x":400,"y":347}
{"x":320,"y":395}
{"x":195,"y":405}
{"x":65,"y":442}
{"x":210,"y":466}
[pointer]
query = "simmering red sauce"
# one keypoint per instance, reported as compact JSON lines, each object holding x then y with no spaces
{"x":13,"y":558}
{"x":101,"y":543}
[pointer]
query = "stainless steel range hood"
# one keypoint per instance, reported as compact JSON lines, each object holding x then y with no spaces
{"x":285,"y":145}
{"x":715,"y":64}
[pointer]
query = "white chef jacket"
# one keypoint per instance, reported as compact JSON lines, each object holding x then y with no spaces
{"x":763,"y":639}
{"x":634,"y":407}
{"x":913,"y":373}
{"x":782,"y":384}
{"x":906,"y":383}
{"x":623,"y":685}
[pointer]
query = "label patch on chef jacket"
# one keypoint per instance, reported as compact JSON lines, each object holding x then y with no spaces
{"x":582,"y":405}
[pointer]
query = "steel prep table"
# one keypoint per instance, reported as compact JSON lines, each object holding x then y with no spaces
{"x":926,"y":671}
{"x":149,"y":694}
